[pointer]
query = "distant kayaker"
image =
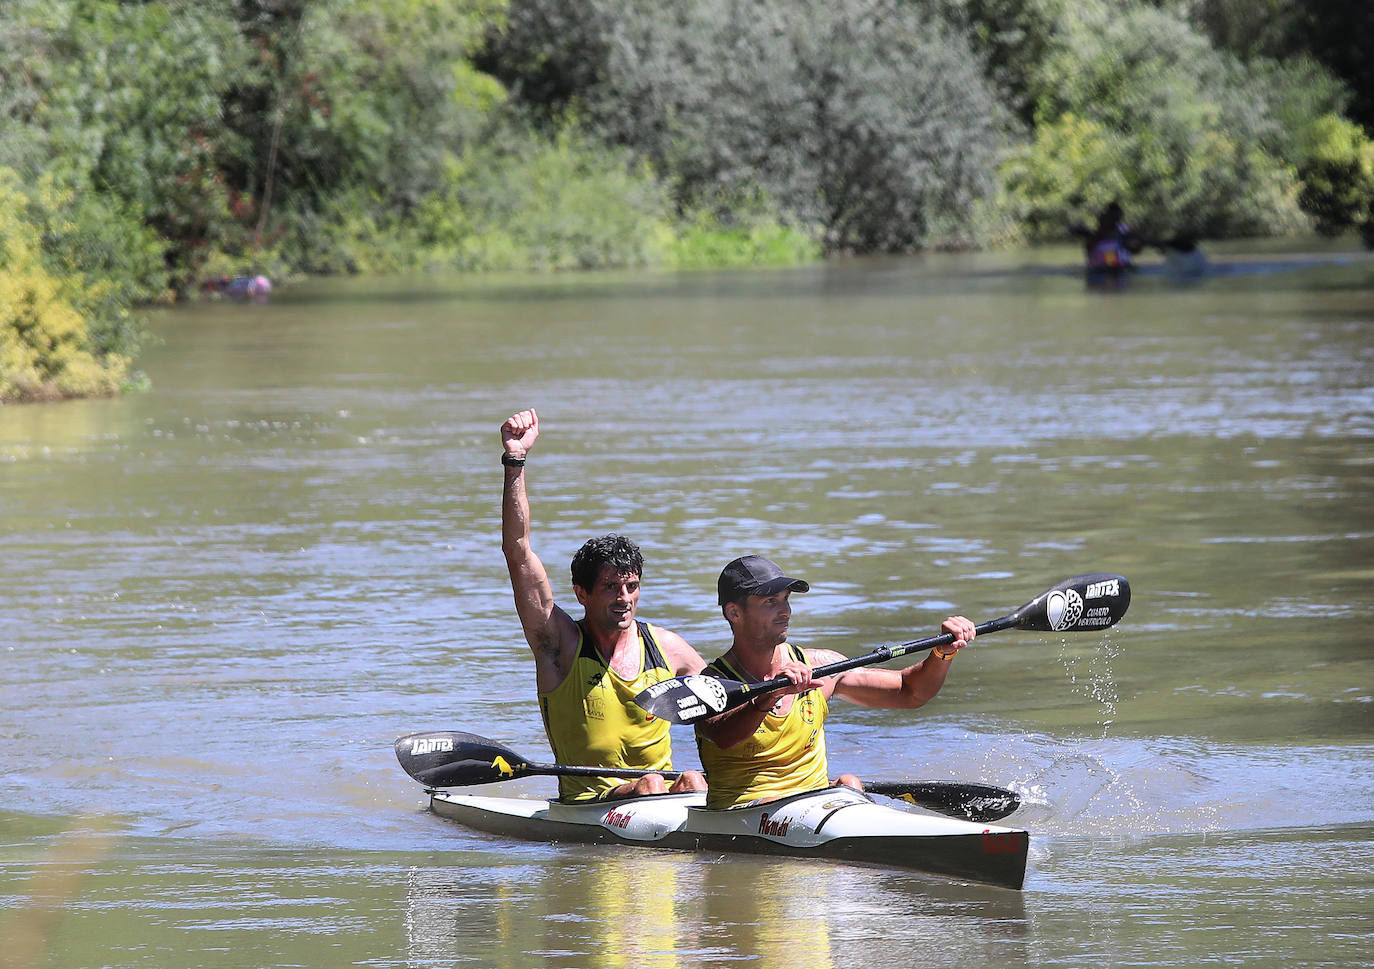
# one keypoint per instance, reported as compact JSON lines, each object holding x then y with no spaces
{"x":774,"y":745}
{"x":588,"y":671}
{"x":240,"y":289}
{"x":1111,"y":246}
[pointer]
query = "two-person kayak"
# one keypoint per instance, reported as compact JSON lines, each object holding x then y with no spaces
{"x":945,"y":827}
{"x":835,"y":823}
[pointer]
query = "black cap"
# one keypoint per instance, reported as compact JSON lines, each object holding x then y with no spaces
{"x":754,"y":575}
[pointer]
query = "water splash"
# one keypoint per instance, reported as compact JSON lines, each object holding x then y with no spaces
{"x":1092,"y":676}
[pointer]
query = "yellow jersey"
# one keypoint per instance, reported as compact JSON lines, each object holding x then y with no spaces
{"x":786,"y":754}
{"x":591,"y":718}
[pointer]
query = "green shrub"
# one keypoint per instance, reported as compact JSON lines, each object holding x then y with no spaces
{"x":1073,"y":165}
{"x":566,"y":202}
{"x":1337,"y":169}
{"x":47,"y":349}
{"x":749,"y":234}
{"x":519,"y":201}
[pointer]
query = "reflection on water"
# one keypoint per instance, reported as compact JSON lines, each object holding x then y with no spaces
{"x":603,"y":910}
{"x":29,"y":925}
{"x":643,"y":907}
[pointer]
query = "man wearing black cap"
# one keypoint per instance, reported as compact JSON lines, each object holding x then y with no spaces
{"x":774,"y":745}
{"x":588,"y":671}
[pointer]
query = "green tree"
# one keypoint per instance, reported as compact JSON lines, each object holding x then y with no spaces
{"x":123,"y":101}
{"x":1199,"y":139}
{"x":355,"y":100}
{"x":1248,"y":28}
{"x":1013,"y":38}
{"x":1334,"y":32}
{"x":132,"y":108}
{"x":1337,"y":169}
{"x":871,"y":124}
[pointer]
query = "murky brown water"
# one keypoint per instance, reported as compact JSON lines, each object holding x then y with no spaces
{"x":223,"y":600}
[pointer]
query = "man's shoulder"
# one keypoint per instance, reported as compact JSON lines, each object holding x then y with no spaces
{"x":661,"y":634}
{"x":819,"y":657}
{"x":674,"y":647}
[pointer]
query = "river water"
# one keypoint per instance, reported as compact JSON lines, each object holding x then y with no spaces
{"x":223,"y":599}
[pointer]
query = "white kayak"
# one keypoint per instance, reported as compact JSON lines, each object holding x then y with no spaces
{"x":834,"y":823}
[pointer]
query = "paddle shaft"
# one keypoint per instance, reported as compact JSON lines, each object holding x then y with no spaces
{"x":446,"y":758}
{"x":982,"y":803}
{"x":882,"y":654}
{"x":568,"y":770}
{"x":1084,"y":603}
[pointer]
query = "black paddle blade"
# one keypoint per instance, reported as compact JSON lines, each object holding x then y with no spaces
{"x":687,"y":699}
{"x":980,"y":803}
{"x":451,"y":758}
{"x":1080,"y":604}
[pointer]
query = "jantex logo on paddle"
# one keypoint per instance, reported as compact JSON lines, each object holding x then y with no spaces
{"x":431,"y":745}
{"x":1096,"y":590}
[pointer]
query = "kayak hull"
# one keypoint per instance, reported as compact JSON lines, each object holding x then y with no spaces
{"x":836,"y":823}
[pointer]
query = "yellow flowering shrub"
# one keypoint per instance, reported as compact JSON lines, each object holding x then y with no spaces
{"x":44,"y":340}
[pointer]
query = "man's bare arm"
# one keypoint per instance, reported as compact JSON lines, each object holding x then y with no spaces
{"x":550,"y":632}
{"x":679,"y":654}
{"x":733,"y":726}
{"x":910,"y":688}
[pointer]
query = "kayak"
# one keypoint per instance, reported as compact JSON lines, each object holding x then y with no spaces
{"x":838,"y":824}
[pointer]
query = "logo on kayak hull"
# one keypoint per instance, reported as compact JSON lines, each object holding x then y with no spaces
{"x":1004,"y":842}
{"x":772,"y":828}
{"x":617,"y":819}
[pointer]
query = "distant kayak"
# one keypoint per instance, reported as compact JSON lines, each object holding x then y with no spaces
{"x":240,"y":289}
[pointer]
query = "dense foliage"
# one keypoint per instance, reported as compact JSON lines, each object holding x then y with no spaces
{"x":63,"y":332}
{"x":145,"y":144}
{"x":1133,"y":105}
{"x":871,"y":126}
{"x":885,"y":126}
{"x":1334,"y":32}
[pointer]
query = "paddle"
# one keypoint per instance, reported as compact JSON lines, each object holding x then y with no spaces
{"x":1178,"y":243}
{"x":1082,"y":603}
{"x":976,"y":802}
{"x":450,"y":758}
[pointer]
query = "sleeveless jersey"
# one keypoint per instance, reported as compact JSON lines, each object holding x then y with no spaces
{"x":786,"y":754}
{"x":591,"y":718}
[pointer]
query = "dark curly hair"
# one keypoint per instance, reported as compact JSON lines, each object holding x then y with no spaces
{"x":617,"y":551}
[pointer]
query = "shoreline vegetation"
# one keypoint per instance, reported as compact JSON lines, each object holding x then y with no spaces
{"x":145,"y":147}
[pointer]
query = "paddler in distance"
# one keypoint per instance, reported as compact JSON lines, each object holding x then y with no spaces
{"x":774,"y":745}
{"x":588,"y":671}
